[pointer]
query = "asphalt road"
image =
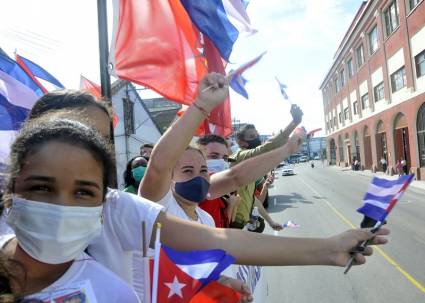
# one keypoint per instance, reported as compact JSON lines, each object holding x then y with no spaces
{"x":324,"y":202}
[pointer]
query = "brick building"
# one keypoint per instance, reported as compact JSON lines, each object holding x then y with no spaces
{"x":374,"y":92}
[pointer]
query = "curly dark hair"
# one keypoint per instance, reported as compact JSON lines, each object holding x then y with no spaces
{"x":240,"y":135}
{"x":128,"y":176}
{"x":40,"y":131}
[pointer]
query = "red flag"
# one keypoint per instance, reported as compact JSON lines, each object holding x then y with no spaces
{"x":156,"y":45}
{"x":215,"y":292}
{"x":94,"y":89}
{"x":220,"y":117}
{"x":174,"y":285}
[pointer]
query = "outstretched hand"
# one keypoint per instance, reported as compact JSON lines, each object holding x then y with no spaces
{"x":212,"y":91}
{"x":297,"y":139}
{"x":345,"y":245}
{"x":297,"y":114}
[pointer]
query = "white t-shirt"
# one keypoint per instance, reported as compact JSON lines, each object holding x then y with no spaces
{"x":172,"y":207}
{"x":104,"y":285}
{"x":119,"y":246}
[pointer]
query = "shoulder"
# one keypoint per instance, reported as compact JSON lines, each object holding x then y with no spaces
{"x":206,"y":218}
{"x":116,"y":199}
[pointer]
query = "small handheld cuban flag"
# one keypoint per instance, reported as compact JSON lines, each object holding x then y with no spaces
{"x":282,"y":89}
{"x":382,"y":196}
{"x":290,"y":224}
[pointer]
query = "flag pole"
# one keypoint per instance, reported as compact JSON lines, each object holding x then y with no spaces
{"x":155,"y":275}
{"x":105,"y":80}
{"x":146,"y":273}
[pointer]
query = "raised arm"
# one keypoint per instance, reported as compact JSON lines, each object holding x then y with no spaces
{"x":259,"y":249}
{"x":274,"y":143}
{"x":251,"y":169}
{"x":212,"y":90}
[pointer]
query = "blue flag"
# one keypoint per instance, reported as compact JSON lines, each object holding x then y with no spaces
{"x":238,"y":85}
{"x":282,"y":89}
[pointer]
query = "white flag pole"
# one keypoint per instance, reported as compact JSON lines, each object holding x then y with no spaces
{"x":145,"y":264}
{"x":156,"y":263}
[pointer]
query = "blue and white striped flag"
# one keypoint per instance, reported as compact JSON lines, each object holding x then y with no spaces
{"x":382,"y":196}
{"x":282,"y":89}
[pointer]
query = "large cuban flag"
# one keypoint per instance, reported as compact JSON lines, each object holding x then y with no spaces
{"x":15,"y":102}
{"x":220,"y":20}
{"x":382,"y":196}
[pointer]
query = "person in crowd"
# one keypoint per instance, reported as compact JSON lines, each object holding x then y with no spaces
{"x":250,"y":146}
{"x":404,"y":168}
{"x":59,"y":173}
{"x":118,"y":247}
{"x":384,"y":164}
{"x":133,"y":174}
{"x":146,"y":150}
{"x":399,"y":168}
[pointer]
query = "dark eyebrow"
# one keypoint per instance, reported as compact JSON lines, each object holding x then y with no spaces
{"x":87,"y":183}
{"x":203,"y":166}
{"x":40,"y":178}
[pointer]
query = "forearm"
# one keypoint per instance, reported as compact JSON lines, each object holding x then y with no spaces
{"x":167,"y":152}
{"x":248,"y":248}
{"x":262,"y":210}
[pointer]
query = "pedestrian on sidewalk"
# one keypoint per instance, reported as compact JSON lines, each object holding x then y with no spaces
{"x":399,"y":168}
{"x":404,"y":168}
{"x":384,"y":165}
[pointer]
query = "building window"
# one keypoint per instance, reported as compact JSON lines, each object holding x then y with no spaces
{"x":373,"y":40}
{"x":420,"y":123}
{"x":378,"y":92}
{"x":360,"y":55}
{"x":391,"y":18}
{"x":340,"y":118}
{"x":350,"y":68}
{"x":346,"y":114}
{"x":365,"y":101}
{"x":420,"y":64}
{"x":355,"y":107}
{"x":334,"y":121}
{"x":128,"y":116}
{"x":398,"y":80}
{"x":342,"y":79}
{"x":413,"y":3}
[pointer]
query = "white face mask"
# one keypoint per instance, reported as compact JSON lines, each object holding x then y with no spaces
{"x":217,"y":165}
{"x":51,"y":233}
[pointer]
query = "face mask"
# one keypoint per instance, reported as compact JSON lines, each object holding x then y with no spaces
{"x":138,"y":173}
{"x":217,"y":165}
{"x":195,"y":190}
{"x":54,"y":234}
{"x":253,"y":143}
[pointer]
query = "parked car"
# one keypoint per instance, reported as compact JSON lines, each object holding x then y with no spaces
{"x":317,"y":158}
{"x":303,"y":159}
{"x":287,"y":170}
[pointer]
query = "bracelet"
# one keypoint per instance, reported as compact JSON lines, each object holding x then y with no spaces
{"x":201,"y":109}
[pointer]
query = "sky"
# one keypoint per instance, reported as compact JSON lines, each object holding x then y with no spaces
{"x":300,"y":37}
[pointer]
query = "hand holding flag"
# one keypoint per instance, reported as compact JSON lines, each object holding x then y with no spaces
{"x":290,"y":224}
{"x":379,"y":200}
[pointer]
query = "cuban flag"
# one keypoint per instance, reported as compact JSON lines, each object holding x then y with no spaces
{"x":290,"y":224}
{"x":220,"y":20}
{"x":382,"y":196}
{"x":282,"y":88}
{"x":16,"y":100}
{"x":10,"y":67}
{"x":238,"y":85}
{"x":38,"y":73}
{"x":184,"y":274}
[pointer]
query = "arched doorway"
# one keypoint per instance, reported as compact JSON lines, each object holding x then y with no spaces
{"x":420,"y":127}
{"x":348,"y":147}
{"x":356,"y":146}
{"x":367,"y":148}
{"x":332,"y":152}
{"x":340,"y":149}
{"x":381,"y":142}
{"x":401,"y":139}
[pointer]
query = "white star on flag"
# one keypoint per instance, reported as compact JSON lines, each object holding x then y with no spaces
{"x":175,"y":288}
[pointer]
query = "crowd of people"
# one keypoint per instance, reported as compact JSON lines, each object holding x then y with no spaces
{"x":62,"y":223}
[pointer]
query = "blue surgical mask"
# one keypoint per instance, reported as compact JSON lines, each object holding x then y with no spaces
{"x":194,"y":190}
{"x":138,"y":173}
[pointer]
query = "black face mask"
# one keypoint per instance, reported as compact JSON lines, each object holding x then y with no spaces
{"x":253,"y":143}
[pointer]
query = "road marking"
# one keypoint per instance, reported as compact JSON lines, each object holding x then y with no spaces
{"x":390,"y":260}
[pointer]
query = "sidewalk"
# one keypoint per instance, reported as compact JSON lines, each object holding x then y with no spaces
{"x":368,"y":173}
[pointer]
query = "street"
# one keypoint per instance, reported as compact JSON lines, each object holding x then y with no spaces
{"x":324,"y":202}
